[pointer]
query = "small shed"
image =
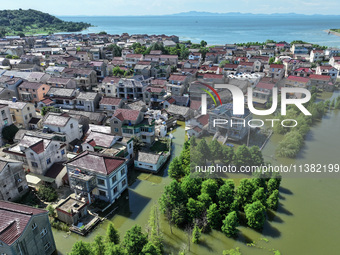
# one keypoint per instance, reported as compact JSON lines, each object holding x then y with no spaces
{"x":71,"y":211}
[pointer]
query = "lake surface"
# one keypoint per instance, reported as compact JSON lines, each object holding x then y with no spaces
{"x":306,"y":222}
{"x":221,"y":29}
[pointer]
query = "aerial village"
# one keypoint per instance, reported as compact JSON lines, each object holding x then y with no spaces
{"x":79,"y":111}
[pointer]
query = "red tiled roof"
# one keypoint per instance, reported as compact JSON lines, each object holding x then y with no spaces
{"x":304,"y":69}
{"x":276,"y":66}
{"x":298,"y":79}
{"x":280,"y":45}
{"x":233,"y":66}
{"x":326,"y":67}
{"x":175,"y":77}
{"x":47,"y":101}
{"x":38,"y":147}
{"x":110,"y":101}
{"x":203,"y":119}
{"x":134,"y":55}
{"x":155,"y":89}
{"x":171,"y":100}
{"x":197,"y":129}
{"x":246,"y":64}
{"x":96,"y":162}
{"x":262,"y":85}
{"x":320,"y":77}
{"x":195,"y":105}
{"x":14,"y":219}
{"x":212,"y":76}
{"x":126,"y":114}
{"x":169,"y":56}
{"x":30,"y":85}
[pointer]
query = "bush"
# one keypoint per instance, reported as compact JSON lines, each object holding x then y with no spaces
{"x":9,"y":132}
{"x":47,"y":193}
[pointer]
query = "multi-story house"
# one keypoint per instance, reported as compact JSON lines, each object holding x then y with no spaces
{"x":5,"y":119}
{"x":97,"y":176}
{"x":85,"y":78}
{"x":11,"y":83}
{"x":60,"y":98}
{"x":25,"y":230}
{"x":262,"y":93}
{"x":21,"y":112}
{"x":129,"y":123}
{"x":59,"y":82}
{"x":133,"y":88}
{"x":317,"y":55}
{"x":63,"y":124}
{"x":132,"y":59}
{"x":32,"y":91}
{"x":301,"y":49}
{"x":110,"y":104}
{"x":303,"y":72}
{"x":87,"y":101}
{"x":109,"y":86}
{"x":322,"y":82}
{"x":235,"y":131}
{"x":327,"y":70}
{"x":155,"y":95}
{"x":13,"y":182}
{"x":37,"y":152}
{"x":297,"y":82}
{"x":276,"y":71}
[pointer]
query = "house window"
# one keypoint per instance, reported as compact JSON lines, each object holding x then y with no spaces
{"x":34,"y":226}
{"x":43,"y":88}
{"x":48,"y":161}
{"x":143,"y":137}
{"x":113,"y":107}
{"x":123,"y":183}
{"x":43,"y":232}
{"x":71,"y":125}
{"x":101,"y":182}
{"x":47,"y":246}
{"x":62,"y":152}
{"x":102,"y":193}
{"x":115,"y":190}
{"x":20,"y":189}
{"x":130,"y":145}
{"x":114,"y":179}
{"x":115,"y":122}
{"x":116,"y":129}
{"x":122,"y":172}
{"x":109,"y":91}
{"x":25,"y":117}
{"x":35,"y":96}
{"x":30,"y":115}
{"x":34,"y":164}
{"x":58,"y":129}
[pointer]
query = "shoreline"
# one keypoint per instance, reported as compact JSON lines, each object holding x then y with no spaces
{"x":332,"y":32}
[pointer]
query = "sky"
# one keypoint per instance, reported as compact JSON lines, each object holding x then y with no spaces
{"x":161,"y":7}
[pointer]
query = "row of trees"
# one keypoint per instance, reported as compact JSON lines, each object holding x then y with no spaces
{"x":135,"y":242}
{"x":293,"y":139}
{"x":201,"y":204}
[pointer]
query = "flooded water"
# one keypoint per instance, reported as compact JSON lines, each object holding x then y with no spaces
{"x":306,"y":222}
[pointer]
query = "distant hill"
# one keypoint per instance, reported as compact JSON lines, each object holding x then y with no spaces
{"x":15,"y":22}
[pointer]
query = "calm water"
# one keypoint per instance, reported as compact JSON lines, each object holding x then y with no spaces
{"x":222,"y":29}
{"x":306,"y":222}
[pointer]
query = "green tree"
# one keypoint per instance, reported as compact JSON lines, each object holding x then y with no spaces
{"x":226,"y":195}
{"x":273,"y":184}
{"x":256,"y":156}
{"x":98,"y":246}
{"x":205,"y":199}
{"x":172,"y":197}
{"x":191,"y":186}
{"x":102,"y":33}
{"x":150,"y":249}
{"x":81,"y":248}
{"x":210,"y":187}
{"x":51,"y":211}
{"x":47,"y":193}
{"x":116,"y":71}
{"x":8,"y":132}
{"x":260,"y":195}
{"x":245,"y":192}
{"x":214,"y":216}
{"x":230,"y":224}
{"x":228,"y":154}
{"x":195,"y":209}
{"x":175,"y":169}
{"x":196,"y":234}
{"x":273,"y":200}
{"x":134,"y":240}
{"x":112,"y":235}
{"x":271,"y":60}
{"x":116,"y":50}
{"x":204,"y":149}
{"x":255,"y":214}
{"x":216,"y":150}
{"x":242,"y":156}
{"x":114,"y":249}
{"x":203,"y":43}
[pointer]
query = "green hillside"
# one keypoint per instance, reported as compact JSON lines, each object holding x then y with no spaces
{"x":18,"y":22}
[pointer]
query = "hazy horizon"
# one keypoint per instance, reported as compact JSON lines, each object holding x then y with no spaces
{"x":152,"y":7}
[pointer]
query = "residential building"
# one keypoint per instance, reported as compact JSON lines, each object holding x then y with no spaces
{"x":317,"y":55}
{"x":97,"y":176}
{"x":21,"y":112}
{"x":5,"y":120}
{"x":13,"y":182}
{"x":234,"y":129}
{"x":87,"y":101}
{"x":129,"y":123}
{"x":110,"y":104}
{"x":133,"y":88}
{"x":32,"y":91}
{"x":322,"y":82}
{"x":63,"y":124}
{"x":25,"y":230}
{"x":297,"y":82}
{"x":327,"y":70}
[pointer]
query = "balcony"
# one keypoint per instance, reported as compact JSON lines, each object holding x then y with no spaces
{"x":82,"y":181}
